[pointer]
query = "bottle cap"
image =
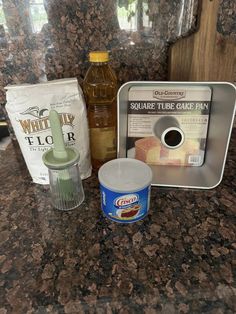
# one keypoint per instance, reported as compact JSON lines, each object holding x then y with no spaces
{"x":98,"y":56}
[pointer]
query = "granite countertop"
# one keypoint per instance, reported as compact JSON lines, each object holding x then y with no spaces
{"x":179,"y":259}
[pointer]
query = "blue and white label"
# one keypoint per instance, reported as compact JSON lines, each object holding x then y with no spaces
{"x":125,"y":207}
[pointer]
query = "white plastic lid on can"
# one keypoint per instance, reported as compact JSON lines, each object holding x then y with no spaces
{"x":125,"y":175}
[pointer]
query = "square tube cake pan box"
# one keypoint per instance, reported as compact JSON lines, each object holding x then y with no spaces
{"x":210,"y":174}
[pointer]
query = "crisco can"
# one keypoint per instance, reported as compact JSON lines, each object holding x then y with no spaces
{"x":125,"y":186}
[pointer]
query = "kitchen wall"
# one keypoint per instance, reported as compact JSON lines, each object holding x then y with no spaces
{"x":50,"y":39}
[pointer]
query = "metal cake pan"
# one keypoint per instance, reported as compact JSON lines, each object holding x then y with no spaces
{"x":210,"y":174}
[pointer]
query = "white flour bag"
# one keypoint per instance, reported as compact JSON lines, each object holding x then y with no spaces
{"x":28,"y":109}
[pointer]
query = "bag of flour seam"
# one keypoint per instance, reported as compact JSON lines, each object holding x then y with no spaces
{"x":28,"y":109}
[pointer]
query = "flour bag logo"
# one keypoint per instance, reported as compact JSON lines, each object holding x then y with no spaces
{"x":42,"y":122}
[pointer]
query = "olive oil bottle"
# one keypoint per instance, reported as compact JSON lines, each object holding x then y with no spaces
{"x":100,"y":89}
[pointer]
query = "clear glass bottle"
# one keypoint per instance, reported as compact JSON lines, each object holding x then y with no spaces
{"x":100,"y":89}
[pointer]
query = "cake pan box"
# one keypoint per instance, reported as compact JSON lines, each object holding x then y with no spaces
{"x":210,"y":174}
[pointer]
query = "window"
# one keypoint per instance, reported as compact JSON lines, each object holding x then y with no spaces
{"x":2,"y":16}
{"x":38,"y":15}
{"x":132,"y":15}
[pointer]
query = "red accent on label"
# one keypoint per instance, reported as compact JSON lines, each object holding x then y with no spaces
{"x":130,"y":213}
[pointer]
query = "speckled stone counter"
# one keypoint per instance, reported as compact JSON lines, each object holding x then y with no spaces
{"x":179,"y":259}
